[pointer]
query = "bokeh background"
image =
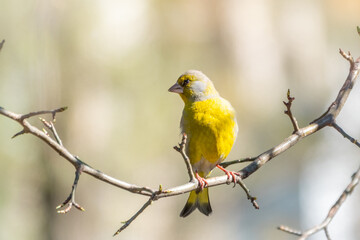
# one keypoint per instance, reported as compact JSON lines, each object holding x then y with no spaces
{"x":111,"y":62}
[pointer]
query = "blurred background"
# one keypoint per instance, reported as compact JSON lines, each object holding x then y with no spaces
{"x":111,"y":62}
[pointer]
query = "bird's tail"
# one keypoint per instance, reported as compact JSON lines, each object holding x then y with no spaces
{"x":198,"y":200}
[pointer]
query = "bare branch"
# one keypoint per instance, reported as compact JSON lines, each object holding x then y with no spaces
{"x":128,"y":222}
{"x":52,"y":112}
{"x":50,"y":125}
{"x":18,"y":134}
{"x":345,"y":135}
{"x":247,"y":191}
{"x":327,"y":119}
{"x":327,"y":233}
{"x":153,"y":198}
{"x":2,"y":44}
{"x":28,"y":128}
{"x":289,"y":230}
{"x":242,"y":160}
{"x":70,"y":201}
{"x":181,"y":150}
{"x":347,"y":56}
{"x":289,"y":113}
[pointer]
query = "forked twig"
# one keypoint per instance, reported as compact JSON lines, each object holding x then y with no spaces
{"x":70,"y":201}
{"x":51,"y":127}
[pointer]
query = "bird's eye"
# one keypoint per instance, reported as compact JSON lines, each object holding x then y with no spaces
{"x":185,"y":82}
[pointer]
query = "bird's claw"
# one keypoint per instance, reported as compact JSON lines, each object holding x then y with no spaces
{"x":230,"y":174}
{"x":202,"y":182}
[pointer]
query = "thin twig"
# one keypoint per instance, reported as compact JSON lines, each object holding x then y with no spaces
{"x":52,"y":112}
{"x":2,"y":43}
{"x":242,"y":160}
{"x":70,"y":201}
{"x":347,"y":56}
{"x":181,"y":150}
{"x":327,"y":233}
{"x":289,"y":112}
{"x":19,"y":133}
{"x":345,"y":135}
{"x":153,"y":198}
{"x":289,"y":230}
{"x":128,"y":222}
{"x":247,"y":191}
{"x":50,"y":125}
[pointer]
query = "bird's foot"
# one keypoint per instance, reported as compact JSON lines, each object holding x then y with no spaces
{"x":230,"y":174}
{"x":202,"y":182}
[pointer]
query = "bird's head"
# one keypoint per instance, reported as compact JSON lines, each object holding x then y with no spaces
{"x":194,"y":86}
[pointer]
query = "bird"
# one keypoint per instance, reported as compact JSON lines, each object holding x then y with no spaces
{"x":209,"y":123}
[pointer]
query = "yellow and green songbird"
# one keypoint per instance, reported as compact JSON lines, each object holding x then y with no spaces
{"x":209,"y":122}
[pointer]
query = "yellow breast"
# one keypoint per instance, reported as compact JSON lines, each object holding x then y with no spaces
{"x":211,"y":129}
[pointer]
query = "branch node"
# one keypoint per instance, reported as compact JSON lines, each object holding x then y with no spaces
{"x":347,"y":56}
{"x":324,"y":114}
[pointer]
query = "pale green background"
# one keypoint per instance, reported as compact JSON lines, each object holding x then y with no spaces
{"x":112,"y":61}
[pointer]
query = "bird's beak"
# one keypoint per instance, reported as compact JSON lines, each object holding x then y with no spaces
{"x":176,"y":88}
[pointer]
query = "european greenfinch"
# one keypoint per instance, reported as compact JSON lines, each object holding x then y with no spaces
{"x":210,"y":124}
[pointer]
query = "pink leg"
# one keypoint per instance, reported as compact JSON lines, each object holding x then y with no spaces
{"x":229,"y":173}
{"x":202,"y":182}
